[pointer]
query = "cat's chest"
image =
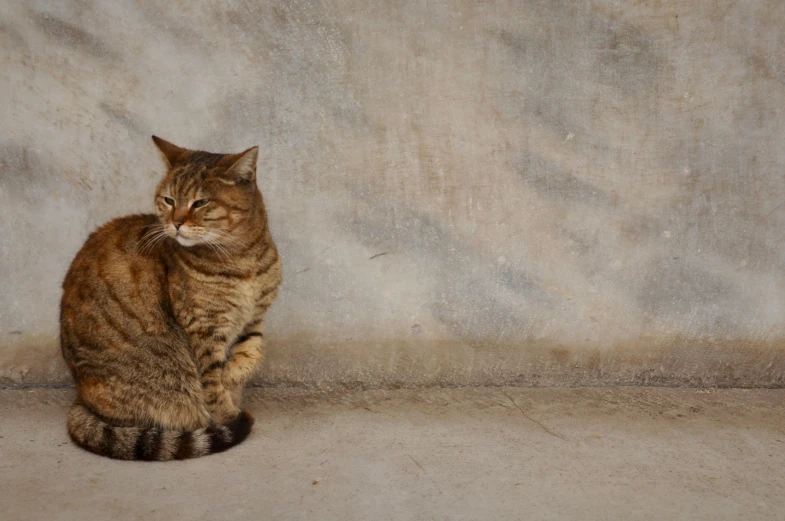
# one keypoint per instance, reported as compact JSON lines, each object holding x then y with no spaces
{"x":245,"y":297}
{"x":223,"y":300}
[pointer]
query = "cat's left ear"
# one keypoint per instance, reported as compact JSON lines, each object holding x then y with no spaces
{"x":243,"y":165}
{"x":171,"y":152}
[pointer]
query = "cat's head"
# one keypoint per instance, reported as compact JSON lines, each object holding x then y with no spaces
{"x":206,"y":198}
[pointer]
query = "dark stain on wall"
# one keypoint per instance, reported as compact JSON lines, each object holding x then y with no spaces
{"x":550,"y":181}
{"x":71,"y":36}
{"x":124,"y":118}
{"x":11,"y":37}
{"x":24,"y":174}
{"x":673,"y":287}
{"x":466,"y":296}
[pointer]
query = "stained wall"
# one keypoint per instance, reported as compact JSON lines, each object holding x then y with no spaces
{"x":463,"y":193}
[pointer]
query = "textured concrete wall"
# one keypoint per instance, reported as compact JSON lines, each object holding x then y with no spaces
{"x":524,"y":192}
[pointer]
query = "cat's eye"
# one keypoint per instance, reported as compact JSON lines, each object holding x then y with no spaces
{"x":200,"y":203}
{"x":169,"y":201}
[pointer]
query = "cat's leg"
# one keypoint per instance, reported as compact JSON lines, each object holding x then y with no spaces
{"x":246,"y":356}
{"x":169,"y":396}
{"x":209,"y":347}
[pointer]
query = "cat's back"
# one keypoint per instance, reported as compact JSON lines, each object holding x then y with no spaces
{"x":120,"y":266}
{"x":128,"y":240}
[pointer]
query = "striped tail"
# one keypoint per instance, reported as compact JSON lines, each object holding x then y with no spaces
{"x":152,"y":443}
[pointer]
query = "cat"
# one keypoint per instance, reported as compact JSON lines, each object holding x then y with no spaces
{"x":161,"y":318}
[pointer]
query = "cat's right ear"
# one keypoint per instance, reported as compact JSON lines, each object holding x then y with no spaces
{"x":171,"y":152}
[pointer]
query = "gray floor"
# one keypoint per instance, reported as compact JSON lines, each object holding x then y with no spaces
{"x":487,"y":454}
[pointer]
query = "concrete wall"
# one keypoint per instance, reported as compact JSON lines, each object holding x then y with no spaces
{"x":529,"y":192}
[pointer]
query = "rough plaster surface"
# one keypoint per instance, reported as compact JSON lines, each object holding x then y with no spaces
{"x":529,"y":193}
{"x":473,"y":454}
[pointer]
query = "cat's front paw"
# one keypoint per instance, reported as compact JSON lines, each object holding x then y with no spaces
{"x":245,"y":359}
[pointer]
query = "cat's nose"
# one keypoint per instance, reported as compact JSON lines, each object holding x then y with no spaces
{"x":177,"y":223}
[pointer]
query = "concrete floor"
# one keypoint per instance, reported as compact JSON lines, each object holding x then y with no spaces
{"x":485,"y":454}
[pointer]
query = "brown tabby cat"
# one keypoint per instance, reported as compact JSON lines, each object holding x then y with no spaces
{"x":161,"y":319}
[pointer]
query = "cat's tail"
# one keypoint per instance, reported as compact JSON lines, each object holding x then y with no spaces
{"x":152,"y":443}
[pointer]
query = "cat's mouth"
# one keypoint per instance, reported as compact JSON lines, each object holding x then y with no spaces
{"x":185,"y":241}
{"x":182,"y":239}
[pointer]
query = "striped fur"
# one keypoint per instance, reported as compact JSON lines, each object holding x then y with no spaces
{"x":93,"y":433}
{"x":162,"y":316}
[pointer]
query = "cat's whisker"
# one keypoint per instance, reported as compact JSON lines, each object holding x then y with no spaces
{"x":227,"y":237}
{"x":221,"y":254}
{"x":150,"y":240}
{"x":150,"y":235}
{"x":219,"y":248}
{"x":142,"y":244}
{"x":224,"y":249}
{"x":210,"y":245}
{"x":219,"y":238}
{"x":160,"y":239}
